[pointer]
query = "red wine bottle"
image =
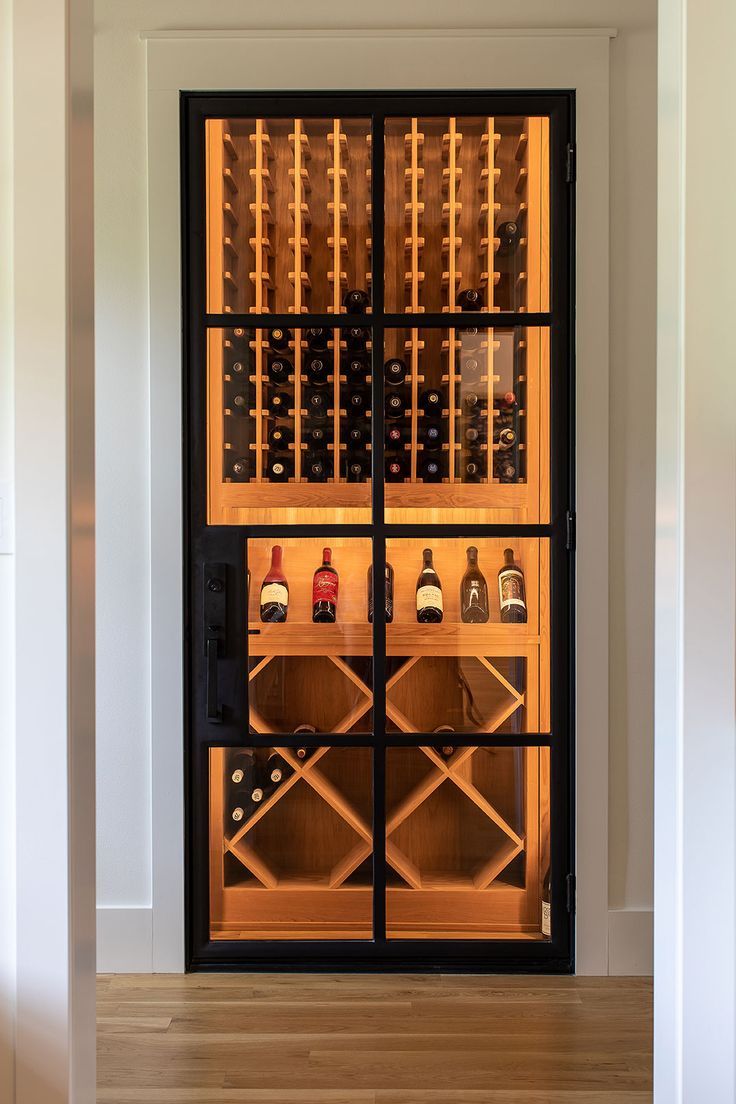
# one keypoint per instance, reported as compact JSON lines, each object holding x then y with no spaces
{"x":279,"y":404}
{"x":470,"y":300}
{"x":279,"y":369}
{"x":279,"y":339}
{"x":324,"y":590}
{"x":275,"y":589}
{"x":511,"y":591}
{"x":429,"y":592}
{"x":280,"y":437}
{"x":317,"y":467}
{"x":317,"y":370}
{"x":394,"y":370}
{"x":356,"y":301}
{"x":240,"y":468}
{"x":395,"y":405}
{"x":317,"y":338}
{"x":431,"y":401}
{"x":356,"y":337}
{"x":280,"y":468}
{"x":389,"y":588}
{"x":396,"y":469}
{"x":431,"y":435}
{"x":355,"y":367}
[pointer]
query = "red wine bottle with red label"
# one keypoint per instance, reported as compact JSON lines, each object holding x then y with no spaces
{"x":324,"y":590}
{"x":275,"y":589}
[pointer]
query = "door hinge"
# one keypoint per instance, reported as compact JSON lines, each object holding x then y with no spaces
{"x":570,"y":888}
{"x":570,"y":164}
{"x":571,"y":532}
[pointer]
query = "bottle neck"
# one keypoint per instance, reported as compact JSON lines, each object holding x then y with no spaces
{"x":472,"y":557}
{"x":427,"y":556}
{"x":326,"y":557}
{"x":508,"y":557}
{"x":276,"y":554}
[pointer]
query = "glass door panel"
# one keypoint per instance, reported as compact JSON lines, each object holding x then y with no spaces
{"x":291,"y":843}
{"x":468,"y":843}
{"x":468,"y":649}
{"x":307,"y":675}
{"x":289,"y":425}
{"x":467,"y":214}
{"x":288,"y":215}
{"x":467,"y":425}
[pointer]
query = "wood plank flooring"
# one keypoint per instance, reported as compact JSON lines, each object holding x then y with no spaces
{"x":373,"y":1039}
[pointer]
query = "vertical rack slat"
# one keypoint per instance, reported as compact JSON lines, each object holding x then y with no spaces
{"x":490,"y":226}
{"x":490,"y":402}
{"x":260,"y":235}
{"x":336,"y":405}
{"x":451,"y":292}
{"x":451,"y":402}
{"x":297,"y":405}
{"x":414,"y":215}
{"x":259,"y":344}
{"x":336,"y":217}
{"x":298,"y":223}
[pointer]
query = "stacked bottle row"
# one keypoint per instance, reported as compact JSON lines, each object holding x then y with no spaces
{"x":297,"y":404}
{"x":455,"y":406}
{"x":474,"y":598}
{"x":291,"y":203}
{"x":458,"y":194}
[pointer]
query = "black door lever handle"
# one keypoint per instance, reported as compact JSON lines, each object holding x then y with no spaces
{"x":214,"y":712}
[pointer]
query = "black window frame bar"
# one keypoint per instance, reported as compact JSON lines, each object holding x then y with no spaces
{"x":228,"y":544}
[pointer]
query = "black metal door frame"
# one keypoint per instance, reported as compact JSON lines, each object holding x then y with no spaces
{"x":228,"y":545}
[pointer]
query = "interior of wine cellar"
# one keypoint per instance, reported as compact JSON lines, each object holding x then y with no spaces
{"x":378,"y":365}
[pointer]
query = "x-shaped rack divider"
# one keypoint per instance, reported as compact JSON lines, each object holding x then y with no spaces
{"x":443,"y":770}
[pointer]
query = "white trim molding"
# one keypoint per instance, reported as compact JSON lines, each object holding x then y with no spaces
{"x":630,"y":942}
{"x":378,"y":59}
{"x":124,"y":940}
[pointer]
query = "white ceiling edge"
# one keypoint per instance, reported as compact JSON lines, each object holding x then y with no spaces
{"x":388,"y":32}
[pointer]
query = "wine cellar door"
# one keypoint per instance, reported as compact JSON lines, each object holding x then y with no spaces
{"x":378,"y":380}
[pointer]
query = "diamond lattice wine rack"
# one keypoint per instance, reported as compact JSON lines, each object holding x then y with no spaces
{"x":378,"y":415}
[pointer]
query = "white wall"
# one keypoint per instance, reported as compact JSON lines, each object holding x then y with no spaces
{"x":124,"y":741}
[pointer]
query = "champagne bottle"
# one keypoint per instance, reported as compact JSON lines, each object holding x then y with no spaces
{"x":275,"y":589}
{"x":279,"y":404}
{"x":324,"y":590}
{"x":394,"y":371}
{"x":317,"y":338}
{"x":280,"y":437}
{"x":431,"y":401}
{"x":511,"y":590}
{"x":279,"y":339}
{"x":474,"y":607}
{"x":431,"y":435}
{"x":317,"y":370}
{"x":240,"y":468}
{"x":280,"y":468}
{"x":356,"y":301}
{"x":395,"y":405}
{"x":546,"y":904}
{"x":470,"y":300}
{"x":389,"y":587}
{"x":279,"y":369}
{"x":429,"y":592}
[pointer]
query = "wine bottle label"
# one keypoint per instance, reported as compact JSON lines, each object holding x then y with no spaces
{"x":429,"y":596}
{"x":238,"y":776}
{"x":324,"y":587}
{"x":238,"y":815}
{"x":546,"y":919}
{"x":511,"y":588}
{"x":274,"y":592}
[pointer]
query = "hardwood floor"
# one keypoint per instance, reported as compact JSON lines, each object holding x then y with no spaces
{"x":373,"y":1039}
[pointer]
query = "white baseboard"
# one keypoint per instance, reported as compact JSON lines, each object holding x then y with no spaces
{"x":124,"y":940}
{"x":630,"y":942}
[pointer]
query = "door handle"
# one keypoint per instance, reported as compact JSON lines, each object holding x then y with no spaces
{"x":214,"y":610}
{"x":214,"y":712}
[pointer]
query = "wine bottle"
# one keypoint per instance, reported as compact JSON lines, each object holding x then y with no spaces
{"x":473,"y":468}
{"x":275,"y":589}
{"x":546,"y":904}
{"x":506,"y":439}
{"x":279,"y":404}
{"x":474,"y":433}
{"x":239,"y":332}
{"x":317,"y":467}
{"x":303,"y":753}
{"x":317,"y":406}
{"x":511,"y":590}
{"x":238,"y":368}
{"x":356,"y":338}
{"x":317,"y":370}
{"x":239,"y":814}
{"x":280,"y":437}
{"x":395,"y":405}
{"x":394,"y":436}
{"x":446,"y":750}
{"x":357,"y":467}
{"x":317,"y":338}
{"x":280,"y":467}
{"x":318,"y":437}
{"x":394,"y":371}
{"x":506,"y":470}
{"x":474,"y":607}
{"x":508,"y":237}
{"x":389,"y":588}
{"x":429,"y":591}
{"x":324,"y":590}
{"x":431,"y":401}
{"x":431,"y":435}
{"x":279,"y":339}
{"x":470,"y":300}
{"x":356,"y":301}
{"x":470,"y":370}
{"x":279,"y":369}
{"x":472,"y":403}
{"x":357,"y":437}
{"x":355,"y":367}
{"x":396,"y":469}
{"x":240,"y":403}
{"x":277,"y":769}
{"x":242,"y":765}
{"x":430,"y":469}
{"x":358,"y":402}
{"x":240,"y":468}
{"x":257,"y":795}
